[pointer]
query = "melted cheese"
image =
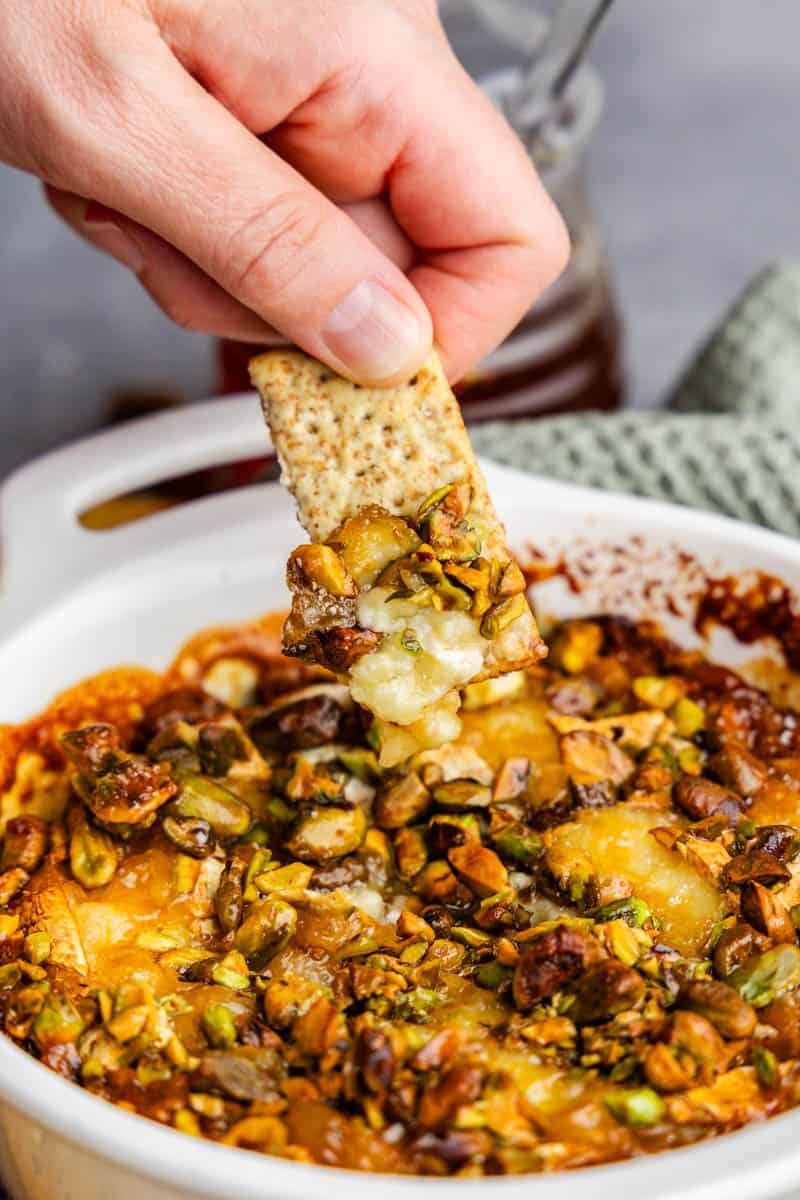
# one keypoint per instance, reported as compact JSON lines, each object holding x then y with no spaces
{"x":397,"y":685}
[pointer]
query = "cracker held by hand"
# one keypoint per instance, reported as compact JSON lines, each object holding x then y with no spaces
{"x":408,"y":590}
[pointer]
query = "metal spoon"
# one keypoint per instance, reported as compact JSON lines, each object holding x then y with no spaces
{"x":570,"y":33}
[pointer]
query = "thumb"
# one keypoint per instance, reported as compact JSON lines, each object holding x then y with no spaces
{"x":197,"y":178}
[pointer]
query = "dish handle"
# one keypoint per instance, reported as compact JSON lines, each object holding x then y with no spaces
{"x":44,"y":546}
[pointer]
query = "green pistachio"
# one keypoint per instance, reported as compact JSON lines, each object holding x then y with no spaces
{"x":769,"y":975}
{"x":92,"y":855}
{"x":37,"y":947}
{"x":631,"y":910}
{"x":267,"y":927}
{"x":492,"y":975}
{"x":219,"y":1026}
{"x":203,"y":799}
{"x":636,"y":1106}
{"x":417,"y":1005}
{"x":501,"y":615}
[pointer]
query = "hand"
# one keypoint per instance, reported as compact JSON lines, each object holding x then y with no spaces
{"x":321,"y":171}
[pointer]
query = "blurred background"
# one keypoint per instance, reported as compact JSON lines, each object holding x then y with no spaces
{"x":694,"y":184}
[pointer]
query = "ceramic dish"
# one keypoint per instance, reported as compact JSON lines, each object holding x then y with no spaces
{"x":76,"y":601}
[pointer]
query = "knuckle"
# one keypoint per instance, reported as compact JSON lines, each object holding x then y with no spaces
{"x":269,"y":252}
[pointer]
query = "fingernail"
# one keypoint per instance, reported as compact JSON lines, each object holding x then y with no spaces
{"x":373,"y":333}
{"x":111,"y":237}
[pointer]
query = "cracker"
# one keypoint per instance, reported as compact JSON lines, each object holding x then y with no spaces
{"x":342,"y":447}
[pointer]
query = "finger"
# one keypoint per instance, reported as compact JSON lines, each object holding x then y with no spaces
{"x":185,"y":294}
{"x":374,"y":217}
{"x":192,"y":174}
{"x":490,"y":239}
{"x":189,"y":297}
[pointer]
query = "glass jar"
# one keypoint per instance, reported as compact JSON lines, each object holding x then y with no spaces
{"x":565,"y":355}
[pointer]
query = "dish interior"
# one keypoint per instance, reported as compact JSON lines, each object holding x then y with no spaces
{"x":566,"y":940}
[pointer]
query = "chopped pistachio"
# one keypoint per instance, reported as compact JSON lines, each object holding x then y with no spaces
{"x":361,"y":763}
{"x":658,"y":691}
{"x":501,"y":615}
{"x":410,"y":642}
{"x":462,"y":793}
{"x":202,"y":798}
{"x":147,"y":1072}
{"x":445,"y":830}
{"x":625,"y":943}
{"x":323,"y":568}
{"x":184,"y":874}
{"x":493,"y":975}
{"x":231,"y":972}
{"x":575,"y":645}
{"x":259,"y":834}
{"x":769,"y":975}
{"x":410,"y":851}
{"x":230,"y":895}
{"x":57,"y":1022}
{"x":690,"y":760}
{"x":129,"y":1023}
{"x":766,"y":1065}
{"x":492,"y":691}
{"x":206,"y":1105}
{"x":37,"y":947}
{"x":636,"y":1106}
{"x":414,"y":953}
{"x":186,"y":1122}
{"x":328,"y":833}
{"x":92,"y":855}
{"x":417,"y":1005}
{"x":186,"y":956}
{"x":10,"y":975}
{"x":411,"y":925}
{"x":479,"y":867}
{"x":431,"y":501}
{"x":219,"y":1026}
{"x":370,"y":541}
{"x":511,"y":780}
{"x":630,"y":909}
{"x":519,"y":843}
{"x":192,"y":835}
{"x":294,"y":878}
{"x":267,"y":927}
{"x":219,"y":747}
{"x":688,"y":716}
{"x":475,"y":938}
{"x":436,"y":882}
{"x":258,"y":863}
{"x":401,"y":802}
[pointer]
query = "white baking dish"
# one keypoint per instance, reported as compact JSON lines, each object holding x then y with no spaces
{"x":74,"y":602}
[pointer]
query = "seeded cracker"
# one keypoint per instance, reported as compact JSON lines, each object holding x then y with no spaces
{"x":344,"y":448}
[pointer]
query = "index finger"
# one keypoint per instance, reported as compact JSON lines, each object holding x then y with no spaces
{"x":462,"y":188}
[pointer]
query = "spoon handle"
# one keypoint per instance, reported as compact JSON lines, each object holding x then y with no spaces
{"x":573,"y":27}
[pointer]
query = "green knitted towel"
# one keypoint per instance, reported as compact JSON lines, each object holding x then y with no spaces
{"x":728,"y":439}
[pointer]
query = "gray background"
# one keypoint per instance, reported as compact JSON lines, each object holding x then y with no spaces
{"x":695,"y":174}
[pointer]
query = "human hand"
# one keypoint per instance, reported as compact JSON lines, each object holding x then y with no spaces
{"x":322,"y":171}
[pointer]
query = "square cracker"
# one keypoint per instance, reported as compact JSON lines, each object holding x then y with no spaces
{"x":342,"y":447}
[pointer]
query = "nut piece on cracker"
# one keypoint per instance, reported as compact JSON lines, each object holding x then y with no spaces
{"x":408,"y":591}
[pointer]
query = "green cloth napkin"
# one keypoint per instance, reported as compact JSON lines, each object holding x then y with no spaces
{"x":728,"y":438}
